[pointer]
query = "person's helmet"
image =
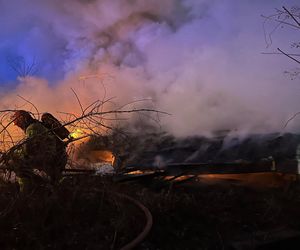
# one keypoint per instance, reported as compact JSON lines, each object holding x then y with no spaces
{"x":22,"y":119}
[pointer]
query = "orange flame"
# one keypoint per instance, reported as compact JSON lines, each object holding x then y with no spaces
{"x":101,"y":156}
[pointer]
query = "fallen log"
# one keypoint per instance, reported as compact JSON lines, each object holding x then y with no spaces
{"x":133,"y":177}
{"x":175,"y":169}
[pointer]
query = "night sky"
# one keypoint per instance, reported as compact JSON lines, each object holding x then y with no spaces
{"x":199,"y":60}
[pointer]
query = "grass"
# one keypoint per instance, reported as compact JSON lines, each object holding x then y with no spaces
{"x":85,"y":213}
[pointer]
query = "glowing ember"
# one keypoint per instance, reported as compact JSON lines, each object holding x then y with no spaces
{"x":140,"y":172}
{"x":77,"y":134}
{"x":251,"y":179}
{"x":180,"y":178}
{"x":101,"y":156}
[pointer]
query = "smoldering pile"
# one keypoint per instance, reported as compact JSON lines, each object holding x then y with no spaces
{"x":160,"y":148}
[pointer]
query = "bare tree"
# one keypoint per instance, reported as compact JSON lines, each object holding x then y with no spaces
{"x":283,"y":18}
{"x":22,"y":66}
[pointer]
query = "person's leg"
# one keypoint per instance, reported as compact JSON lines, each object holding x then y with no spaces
{"x":25,"y":177}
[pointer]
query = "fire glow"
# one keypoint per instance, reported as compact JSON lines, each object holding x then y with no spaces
{"x":78,"y":133}
{"x":105,"y":156}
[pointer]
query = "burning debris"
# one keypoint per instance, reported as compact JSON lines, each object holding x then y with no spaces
{"x":161,"y":159}
{"x":47,"y":140}
{"x":158,"y":154}
{"x":119,"y":152}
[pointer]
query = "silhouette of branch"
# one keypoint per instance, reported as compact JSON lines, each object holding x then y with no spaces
{"x":290,"y":119}
{"x":294,"y":59}
{"x":37,"y":111}
{"x":292,"y":16}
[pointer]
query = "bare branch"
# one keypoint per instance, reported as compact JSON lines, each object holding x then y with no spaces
{"x":37,"y":111}
{"x":288,"y":56}
{"x":292,"y":118}
{"x":79,"y":102}
{"x":287,"y":23}
{"x":277,"y":53}
{"x":21,"y":67}
{"x":271,"y":32}
{"x":5,"y":127}
{"x":292,"y":16}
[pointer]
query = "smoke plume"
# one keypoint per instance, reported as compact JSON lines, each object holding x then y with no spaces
{"x":199,"y":60}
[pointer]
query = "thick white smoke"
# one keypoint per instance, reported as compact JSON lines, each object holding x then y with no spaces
{"x":199,"y":60}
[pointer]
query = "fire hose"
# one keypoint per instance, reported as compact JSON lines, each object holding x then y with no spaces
{"x":148,"y":216}
{"x":149,"y":220}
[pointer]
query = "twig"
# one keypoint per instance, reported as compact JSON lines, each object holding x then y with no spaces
{"x":288,"y":121}
{"x":79,"y":102}
{"x":38,"y":113}
{"x":287,"y":23}
{"x":9,"y":135}
{"x":292,"y":16}
{"x":277,"y":53}
{"x":294,"y":59}
{"x":5,"y":127}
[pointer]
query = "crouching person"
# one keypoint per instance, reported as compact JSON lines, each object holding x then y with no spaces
{"x":41,"y":150}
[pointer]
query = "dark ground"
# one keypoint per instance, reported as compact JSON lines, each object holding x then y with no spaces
{"x":211,"y":213}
